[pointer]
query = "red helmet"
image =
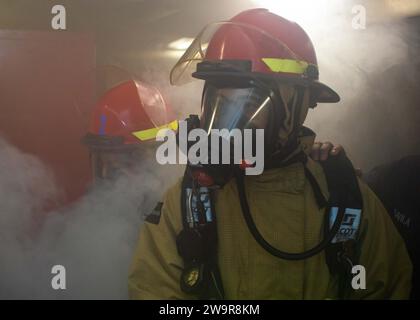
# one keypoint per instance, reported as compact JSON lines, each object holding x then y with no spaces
{"x":254,"y":43}
{"x":128,"y":115}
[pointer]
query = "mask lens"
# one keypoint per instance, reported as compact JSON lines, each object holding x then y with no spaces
{"x":108,"y":165}
{"x":235,"y":108}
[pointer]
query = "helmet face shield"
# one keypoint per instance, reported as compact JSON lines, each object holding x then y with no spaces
{"x":233,"y":41}
{"x":286,"y":56}
{"x":235,"y":108}
{"x":129,"y":114}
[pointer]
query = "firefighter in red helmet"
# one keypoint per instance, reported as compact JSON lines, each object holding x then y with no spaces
{"x":123,"y":127}
{"x":301,"y":229}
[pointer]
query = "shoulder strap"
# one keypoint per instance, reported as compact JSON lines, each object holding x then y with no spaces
{"x":345,"y":196}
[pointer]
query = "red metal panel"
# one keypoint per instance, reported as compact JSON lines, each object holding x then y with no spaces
{"x":47,"y":84}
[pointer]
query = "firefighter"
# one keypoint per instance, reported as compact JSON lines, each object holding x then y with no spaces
{"x":123,"y":128}
{"x":299,"y":230}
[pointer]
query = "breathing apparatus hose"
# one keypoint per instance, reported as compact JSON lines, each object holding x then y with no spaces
{"x":239,"y":177}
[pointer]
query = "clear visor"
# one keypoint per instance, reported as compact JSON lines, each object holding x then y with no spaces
{"x":220,"y":41}
{"x":235,"y":108}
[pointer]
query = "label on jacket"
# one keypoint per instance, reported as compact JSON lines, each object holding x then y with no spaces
{"x":349,"y":225}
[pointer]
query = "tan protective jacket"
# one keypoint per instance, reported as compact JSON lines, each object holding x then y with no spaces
{"x":285,"y":211}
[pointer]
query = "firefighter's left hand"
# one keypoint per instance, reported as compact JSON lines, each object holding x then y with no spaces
{"x":322,"y":150}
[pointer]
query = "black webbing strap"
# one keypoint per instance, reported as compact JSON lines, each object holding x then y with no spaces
{"x":343,"y":186}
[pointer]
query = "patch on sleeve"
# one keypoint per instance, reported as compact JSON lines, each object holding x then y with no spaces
{"x":154,"y":216}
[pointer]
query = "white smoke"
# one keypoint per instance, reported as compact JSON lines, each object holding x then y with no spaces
{"x":26,"y":186}
{"x":375,"y":119}
{"x":372,"y":60}
{"x":93,"y":239}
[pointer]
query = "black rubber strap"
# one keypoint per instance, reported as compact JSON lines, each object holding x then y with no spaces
{"x":186,"y":183}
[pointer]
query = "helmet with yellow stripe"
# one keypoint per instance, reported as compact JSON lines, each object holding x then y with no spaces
{"x":254,"y":43}
{"x":126,"y":120}
{"x":261,"y":72}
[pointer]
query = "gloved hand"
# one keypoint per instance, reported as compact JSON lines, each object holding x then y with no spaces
{"x":322,"y":150}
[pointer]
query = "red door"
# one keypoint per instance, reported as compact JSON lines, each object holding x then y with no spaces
{"x":47,"y":88}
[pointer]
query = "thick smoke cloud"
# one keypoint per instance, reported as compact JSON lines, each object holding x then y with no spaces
{"x":94,"y":238}
{"x":26,"y":186}
{"x":376,"y":71}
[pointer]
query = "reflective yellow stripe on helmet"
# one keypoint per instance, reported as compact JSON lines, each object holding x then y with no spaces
{"x":149,"y":134}
{"x":286,"y":65}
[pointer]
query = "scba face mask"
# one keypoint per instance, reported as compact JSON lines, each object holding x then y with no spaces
{"x":278,"y":109}
{"x":236,"y":119}
{"x":235,"y":108}
{"x":240,"y":115}
{"x":111,"y":165}
{"x":232,"y":110}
